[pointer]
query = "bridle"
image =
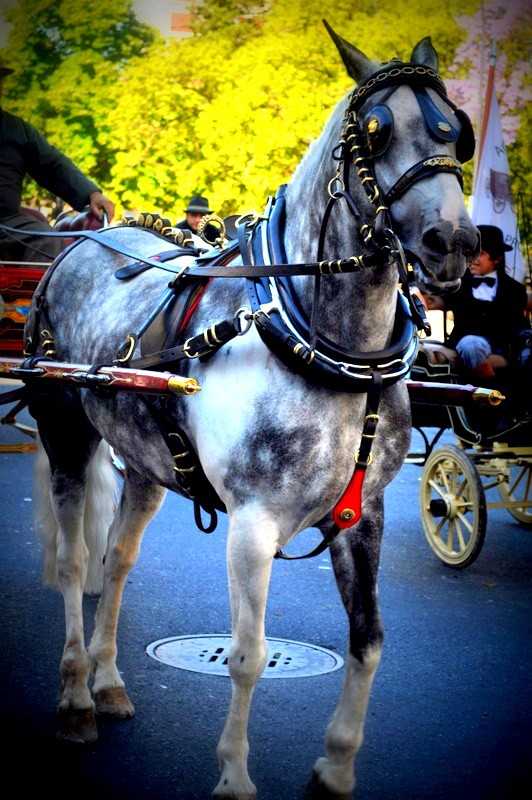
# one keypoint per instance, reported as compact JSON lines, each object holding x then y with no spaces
{"x":366,"y":135}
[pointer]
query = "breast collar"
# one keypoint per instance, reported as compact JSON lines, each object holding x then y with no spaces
{"x":284,"y":326}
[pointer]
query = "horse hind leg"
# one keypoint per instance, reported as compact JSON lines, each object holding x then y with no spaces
{"x":355,"y":556}
{"x":66,"y":560}
{"x":138,"y":504}
{"x":97,"y":517}
{"x":250,"y":549}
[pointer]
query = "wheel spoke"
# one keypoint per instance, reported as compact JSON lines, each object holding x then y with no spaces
{"x":462,"y":488}
{"x":444,"y":477}
{"x":518,"y":478}
{"x":437,"y":487}
{"x":439,"y":526}
{"x":449,"y":542}
{"x":459,"y":534}
{"x":518,"y":489}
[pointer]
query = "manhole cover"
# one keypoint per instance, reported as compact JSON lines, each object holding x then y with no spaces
{"x":286,"y":659}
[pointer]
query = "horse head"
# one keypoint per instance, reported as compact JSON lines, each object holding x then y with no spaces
{"x":403,"y":145}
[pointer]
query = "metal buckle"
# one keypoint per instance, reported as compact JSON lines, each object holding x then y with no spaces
{"x":199,"y":354}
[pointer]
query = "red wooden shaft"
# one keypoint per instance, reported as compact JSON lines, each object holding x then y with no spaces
{"x":129,"y":380}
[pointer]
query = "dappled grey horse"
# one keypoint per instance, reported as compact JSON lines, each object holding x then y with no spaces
{"x":299,"y":331}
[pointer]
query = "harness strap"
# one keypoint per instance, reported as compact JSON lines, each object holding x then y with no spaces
{"x":127,"y":347}
{"x":189,"y":472}
{"x":422,"y":169}
{"x":140,"y":266}
{"x":201,"y":346}
{"x":96,"y":236}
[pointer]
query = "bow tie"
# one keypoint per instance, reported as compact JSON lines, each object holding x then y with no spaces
{"x":479,"y":279}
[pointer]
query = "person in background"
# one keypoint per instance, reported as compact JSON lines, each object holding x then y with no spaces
{"x":24,"y":151}
{"x":490,"y":310}
{"x":197,"y":208}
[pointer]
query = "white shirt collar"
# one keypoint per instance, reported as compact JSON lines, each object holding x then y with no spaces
{"x":483,"y":291}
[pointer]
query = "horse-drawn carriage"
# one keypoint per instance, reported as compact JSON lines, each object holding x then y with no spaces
{"x":491,"y":449}
{"x":301,"y":353}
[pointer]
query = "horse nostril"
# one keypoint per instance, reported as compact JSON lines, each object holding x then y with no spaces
{"x":443,"y":239}
{"x":438,"y":239}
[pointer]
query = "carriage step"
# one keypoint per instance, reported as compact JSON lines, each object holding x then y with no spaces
{"x":209,"y":654}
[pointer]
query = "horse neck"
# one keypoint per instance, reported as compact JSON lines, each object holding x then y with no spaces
{"x":356,"y":310}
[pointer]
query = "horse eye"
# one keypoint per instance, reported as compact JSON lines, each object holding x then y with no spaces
{"x":378,"y":129}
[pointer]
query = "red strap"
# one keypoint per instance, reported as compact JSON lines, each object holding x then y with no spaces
{"x":348,"y":509}
{"x":193,"y":307}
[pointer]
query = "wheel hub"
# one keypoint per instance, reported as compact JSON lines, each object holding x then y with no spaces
{"x":442,"y":507}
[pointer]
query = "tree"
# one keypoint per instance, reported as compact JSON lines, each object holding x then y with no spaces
{"x":232,"y":109}
{"x":228,"y":112}
{"x":68,"y":53}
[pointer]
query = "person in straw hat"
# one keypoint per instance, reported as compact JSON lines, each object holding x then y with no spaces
{"x":24,"y":151}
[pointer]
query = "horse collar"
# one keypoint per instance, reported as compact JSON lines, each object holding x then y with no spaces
{"x":286,"y":329}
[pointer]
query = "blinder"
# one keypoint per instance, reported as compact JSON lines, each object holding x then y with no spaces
{"x":377,"y":128}
{"x":444,"y":131}
{"x":465,"y":146}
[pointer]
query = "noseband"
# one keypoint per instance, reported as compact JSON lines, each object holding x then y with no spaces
{"x":366,"y":136}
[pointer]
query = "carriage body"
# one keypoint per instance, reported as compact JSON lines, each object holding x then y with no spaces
{"x":17,"y":286}
{"x":18,"y":283}
{"x":473,"y":458}
{"x":18,"y":280}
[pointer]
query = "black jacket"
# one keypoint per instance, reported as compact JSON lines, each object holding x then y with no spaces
{"x":498,"y":320}
{"x":24,"y":151}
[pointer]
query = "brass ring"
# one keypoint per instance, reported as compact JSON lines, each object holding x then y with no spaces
{"x":131,"y":340}
{"x":216,"y":222}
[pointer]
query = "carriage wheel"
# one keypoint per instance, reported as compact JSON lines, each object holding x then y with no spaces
{"x":518,"y":487}
{"x":453,"y":506}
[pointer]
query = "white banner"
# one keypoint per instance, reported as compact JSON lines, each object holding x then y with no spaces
{"x":492,"y":202}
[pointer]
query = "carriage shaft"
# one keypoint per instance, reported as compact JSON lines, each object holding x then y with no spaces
{"x":116,"y":378}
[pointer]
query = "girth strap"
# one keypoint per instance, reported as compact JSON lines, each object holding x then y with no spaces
{"x":189,"y":472}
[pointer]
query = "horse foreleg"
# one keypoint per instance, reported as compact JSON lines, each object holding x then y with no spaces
{"x":249,"y":560}
{"x":355,"y":558}
{"x":138,"y":505}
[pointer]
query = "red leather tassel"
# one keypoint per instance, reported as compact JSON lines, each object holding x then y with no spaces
{"x":348,"y":509}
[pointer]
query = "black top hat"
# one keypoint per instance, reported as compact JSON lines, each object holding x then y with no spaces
{"x":4,"y":70}
{"x":198,"y":205}
{"x":492,"y":240}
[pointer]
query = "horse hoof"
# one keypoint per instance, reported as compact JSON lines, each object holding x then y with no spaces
{"x":77,"y":726}
{"x":221,"y":792}
{"x":114,"y":702}
{"x":316,"y":790}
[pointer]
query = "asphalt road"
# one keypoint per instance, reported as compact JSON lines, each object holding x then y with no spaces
{"x":449,"y":717}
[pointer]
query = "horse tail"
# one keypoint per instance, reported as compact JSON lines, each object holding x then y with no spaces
{"x":100,"y":505}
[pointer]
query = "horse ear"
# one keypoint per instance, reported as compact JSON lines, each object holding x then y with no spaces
{"x":358,"y":66}
{"x":424,"y":53}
